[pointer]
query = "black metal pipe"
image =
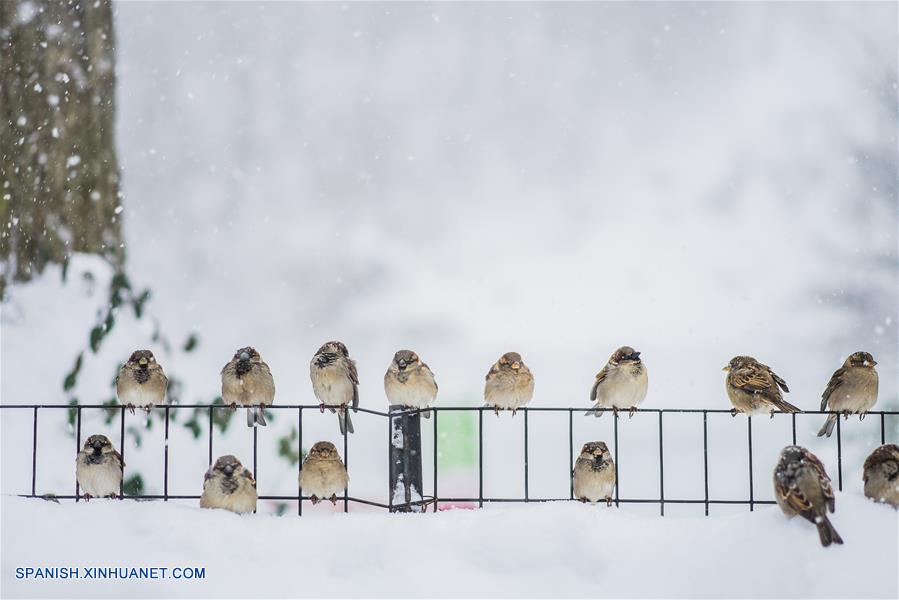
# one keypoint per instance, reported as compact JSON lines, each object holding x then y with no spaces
{"x":749,"y":430}
{"x":617,"y":468}
{"x":883,"y":431}
{"x":300,"y":461}
{"x":525,"y":453}
{"x":839,"y":457}
{"x":661,"y":469}
{"x":122,"y":453}
{"x":481,"y":457}
{"x":165,"y":471}
{"x":793,"y":415}
{"x":34,"y":452}
{"x":77,"y":449}
{"x":434,"y":416}
{"x":211,"y":408}
{"x":346,"y":464}
{"x":571,"y":453}
{"x":705,"y":458}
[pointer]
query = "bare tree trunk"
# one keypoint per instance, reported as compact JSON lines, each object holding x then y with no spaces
{"x":59,"y":180}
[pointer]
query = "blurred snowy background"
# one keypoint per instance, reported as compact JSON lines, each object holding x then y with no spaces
{"x":695,"y":180}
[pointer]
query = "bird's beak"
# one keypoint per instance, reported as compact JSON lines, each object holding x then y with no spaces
{"x":872,"y":362}
{"x":142,"y":362}
{"x":516,"y":365}
{"x":229,"y":470}
{"x":635,"y":356}
{"x":402,"y":364}
{"x":97,"y":445}
{"x":726,"y":369}
{"x":244,"y":356}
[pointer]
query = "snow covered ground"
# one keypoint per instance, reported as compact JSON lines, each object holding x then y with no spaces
{"x":559,"y":550}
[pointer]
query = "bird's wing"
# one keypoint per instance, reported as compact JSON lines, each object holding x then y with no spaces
{"x":823,"y":479}
{"x":431,"y":373}
{"x":119,"y":458}
{"x":751,"y":379}
{"x":793,"y":497}
{"x":836,"y":380}
{"x":599,"y":379}
{"x":354,"y":377}
{"x":493,"y":371}
{"x":249,"y":475}
{"x":777,"y":378}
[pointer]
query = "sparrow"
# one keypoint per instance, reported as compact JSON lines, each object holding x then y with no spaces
{"x":323,"y":474}
{"x":247,"y":380}
{"x":141,"y":382}
{"x":881,"y":475}
{"x":510,"y":384}
{"x":622,"y":383}
{"x":594,"y":474}
{"x":852,"y":389}
{"x":227,"y":484}
{"x":410,"y":382}
{"x":99,"y":468}
{"x":802,"y":487}
{"x":335,"y":382}
{"x":754,"y":388}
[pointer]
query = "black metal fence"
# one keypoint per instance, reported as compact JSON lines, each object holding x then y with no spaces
{"x":401,"y":417}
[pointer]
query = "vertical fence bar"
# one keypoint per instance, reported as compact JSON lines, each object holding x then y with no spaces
{"x":571,"y":453}
{"x":165,"y":470}
{"x":34,"y":452}
{"x":793,"y":416}
{"x":749,"y":433}
{"x":883,"y":431}
{"x":210,"y":437}
{"x":705,"y":457}
{"x":389,"y":461}
{"x":661,"y":468}
{"x":617,"y":467}
{"x":839,"y":457}
{"x":480,"y":458}
{"x":300,"y":462}
{"x":255,"y":444}
{"x":434,"y":413}
{"x":122,"y":453}
{"x":526,"y":499}
{"x":77,"y":449}
{"x":346,"y":463}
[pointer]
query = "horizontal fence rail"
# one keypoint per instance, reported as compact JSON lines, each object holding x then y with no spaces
{"x":434,"y":500}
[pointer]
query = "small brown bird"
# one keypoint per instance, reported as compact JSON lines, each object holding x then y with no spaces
{"x":247,"y":380}
{"x":594,"y":474}
{"x":754,"y":388}
{"x":99,"y":468}
{"x":621,"y":384}
{"x":229,"y":485}
{"x":141,"y":382}
{"x":510,"y":384}
{"x":802,"y":487}
{"x":410,"y":382}
{"x":323,"y":474}
{"x":852,"y":389}
{"x":882,"y":475}
{"x":335,"y":382}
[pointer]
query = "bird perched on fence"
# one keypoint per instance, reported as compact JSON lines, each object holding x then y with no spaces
{"x":881,"y":475}
{"x":594,"y":474}
{"x":141,"y":382}
{"x":335,"y":382}
{"x":852,"y":389}
{"x":247,"y":380}
{"x":323,"y":474}
{"x":802,"y":487}
{"x":99,"y":468}
{"x":510,"y":384}
{"x":754,"y":388}
{"x":621,"y":384}
{"x":227,"y":484}
{"x":410,"y":382}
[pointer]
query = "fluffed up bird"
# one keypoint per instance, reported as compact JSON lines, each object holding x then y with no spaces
{"x":881,"y":475}
{"x":852,"y":389}
{"x":247,"y":380}
{"x":141,"y":382}
{"x":753,"y":388}
{"x":335,"y":382}
{"x":99,"y":468}
{"x":621,"y":384}
{"x":323,"y":474}
{"x":227,"y":484}
{"x":510,"y":384}
{"x":410,"y":382}
{"x":594,"y":474}
{"x":802,"y":487}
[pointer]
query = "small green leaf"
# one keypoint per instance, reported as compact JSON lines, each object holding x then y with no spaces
{"x":96,"y":337}
{"x":191,"y":343}
{"x":134,"y":485}
{"x":72,"y":376}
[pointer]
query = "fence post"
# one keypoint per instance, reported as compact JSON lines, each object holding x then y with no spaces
{"x":405,"y":490}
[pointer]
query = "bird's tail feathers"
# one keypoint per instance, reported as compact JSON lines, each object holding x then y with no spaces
{"x":255,"y":415}
{"x":827,"y":533}
{"x":829,"y":424}
{"x":345,"y":422}
{"x":784,"y":406}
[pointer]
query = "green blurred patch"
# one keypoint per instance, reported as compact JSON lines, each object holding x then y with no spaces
{"x":457,"y":439}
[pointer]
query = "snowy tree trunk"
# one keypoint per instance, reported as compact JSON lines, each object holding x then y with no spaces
{"x":59,"y":180}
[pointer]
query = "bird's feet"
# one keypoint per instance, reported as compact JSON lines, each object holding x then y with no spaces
{"x":771,"y":415}
{"x":113,"y":496}
{"x":334,"y":499}
{"x":845,"y":415}
{"x":232,"y":406}
{"x":861,"y":416}
{"x":608,"y":501}
{"x":87,"y":497}
{"x":321,"y":407}
{"x":630,"y":413}
{"x":130,"y":408}
{"x":496,"y":411}
{"x":514,"y":411}
{"x":733,"y":412}
{"x":315,"y":499}
{"x":582,"y":500}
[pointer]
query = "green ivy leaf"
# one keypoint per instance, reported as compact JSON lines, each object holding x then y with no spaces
{"x":191,"y":343}
{"x":96,"y":337}
{"x":134,"y":485}
{"x":72,"y":376}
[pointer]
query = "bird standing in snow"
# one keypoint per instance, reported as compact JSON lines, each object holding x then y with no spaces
{"x":754,"y":388}
{"x":99,"y":468}
{"x":510,"y":384}
{"x":247,"y":380}
{"x":802,"y":487}
{"x":323,"y":474}
{"x":852,"y":389}
{"x":141,"y":382}
{"x":594,"y":474}
{"x":335,"y":382}
{"x":881,"y":475}
{"x":410,"y":382}
{"x":621,"y":384}
{"x":227,"y":484}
